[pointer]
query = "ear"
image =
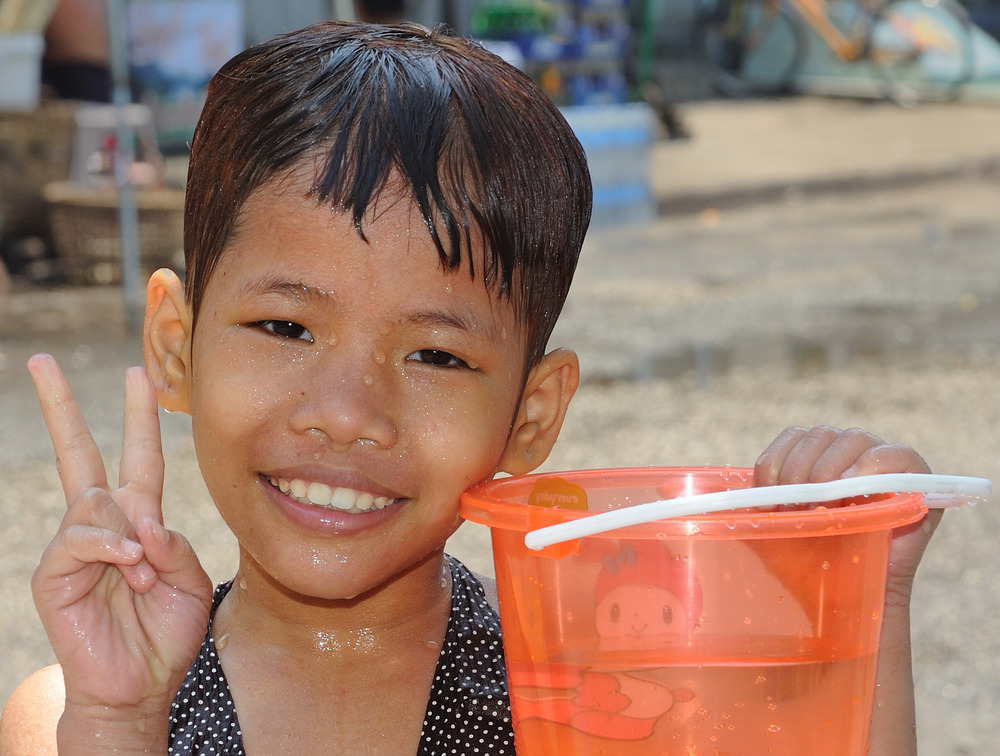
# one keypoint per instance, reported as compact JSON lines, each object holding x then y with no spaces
{"x":166,"y":340}
{"x":547,"y":394}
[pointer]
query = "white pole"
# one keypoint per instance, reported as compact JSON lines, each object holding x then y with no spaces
{"x":128,"y":212}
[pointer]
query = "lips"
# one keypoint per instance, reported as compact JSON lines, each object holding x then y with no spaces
{"x":312,"y":493}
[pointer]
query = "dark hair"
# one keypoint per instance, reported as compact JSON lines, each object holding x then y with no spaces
{"x":486,"y":154}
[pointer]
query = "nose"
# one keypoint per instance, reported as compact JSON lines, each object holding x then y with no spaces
{"x":346,"y":401}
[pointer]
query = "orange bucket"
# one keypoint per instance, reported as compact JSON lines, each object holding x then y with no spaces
{"x":740,"y":632}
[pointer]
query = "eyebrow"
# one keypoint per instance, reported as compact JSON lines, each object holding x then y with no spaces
{"x":446,"y":318}
{"x":291,"y":289}
{"x":450,"y":319}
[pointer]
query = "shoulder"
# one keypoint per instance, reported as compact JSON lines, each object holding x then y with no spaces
{"x":28,"y":724}
{"x":490,"y":589}
{"x":468,"y":579}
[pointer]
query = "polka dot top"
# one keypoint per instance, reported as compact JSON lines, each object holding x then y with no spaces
{"x":468,"y":711}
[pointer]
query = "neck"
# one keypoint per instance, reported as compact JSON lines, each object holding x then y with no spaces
{"x":410,"y":609}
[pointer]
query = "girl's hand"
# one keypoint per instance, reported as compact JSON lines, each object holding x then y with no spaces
{"x":124,"y":601}
{"x":799,"y":455}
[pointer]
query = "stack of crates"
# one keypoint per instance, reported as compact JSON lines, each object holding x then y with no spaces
{"x":578,"y":52}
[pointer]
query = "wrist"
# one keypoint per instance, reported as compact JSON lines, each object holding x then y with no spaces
{"x":89,"y":730}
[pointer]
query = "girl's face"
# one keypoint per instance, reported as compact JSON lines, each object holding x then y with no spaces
{"x":344,"y":393}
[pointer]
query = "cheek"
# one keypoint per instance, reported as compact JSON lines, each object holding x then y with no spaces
{"x":233,"y":398}
{"x":462,"y":431}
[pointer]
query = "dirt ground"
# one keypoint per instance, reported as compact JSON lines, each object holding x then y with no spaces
{"x":701,"y":337}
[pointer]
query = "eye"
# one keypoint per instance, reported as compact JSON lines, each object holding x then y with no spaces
{"x":437,"y":358}
{"x":668,"y":615}
{"x":616,"y":612}
{"x":284,"y":329}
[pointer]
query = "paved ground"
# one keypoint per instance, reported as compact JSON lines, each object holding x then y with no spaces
{"x":822,"y":261}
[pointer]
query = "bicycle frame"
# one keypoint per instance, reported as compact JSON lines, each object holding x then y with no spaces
{"x":815,"y":14}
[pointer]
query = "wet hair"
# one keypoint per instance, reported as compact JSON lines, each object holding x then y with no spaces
{"x":486,"y":155}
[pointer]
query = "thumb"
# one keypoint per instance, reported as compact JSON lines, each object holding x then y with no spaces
{"x":173,"y":558}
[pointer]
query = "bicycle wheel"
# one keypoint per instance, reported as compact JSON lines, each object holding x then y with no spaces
{"x":753,"y":47}
{"x":923,"y":48}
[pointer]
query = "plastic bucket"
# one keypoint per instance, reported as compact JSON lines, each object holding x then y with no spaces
{"x":20,"y":71}
{"x":743,"y":632}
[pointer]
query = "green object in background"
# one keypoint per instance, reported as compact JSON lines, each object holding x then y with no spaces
{"x":507,"y":20}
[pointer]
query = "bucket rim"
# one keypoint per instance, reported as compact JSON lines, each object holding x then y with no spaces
{"x":502,"y":503}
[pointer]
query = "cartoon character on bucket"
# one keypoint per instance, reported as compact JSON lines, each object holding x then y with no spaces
{"x":646,"y":599}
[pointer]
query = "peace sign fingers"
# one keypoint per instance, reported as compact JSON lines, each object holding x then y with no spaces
{"x":77,"y":457}
{"x":140,"y":477}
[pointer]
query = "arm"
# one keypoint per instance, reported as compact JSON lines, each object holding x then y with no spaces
{"x":29,"y":721}
{"x":123,"y":600}
{"x":799,"y":455}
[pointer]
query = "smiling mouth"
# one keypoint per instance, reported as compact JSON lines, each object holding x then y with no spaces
{"x":326,"y":497}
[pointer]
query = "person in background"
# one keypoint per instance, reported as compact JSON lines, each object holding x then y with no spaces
{"x":76,"y":62}
{"x":380,"y":11}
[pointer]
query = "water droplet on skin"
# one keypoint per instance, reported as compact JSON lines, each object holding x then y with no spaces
{"x":774,"y":729}
{"x":855,"y":559}
{"x":447,"y":288}
{"x":367,"y":380}
{"x":326,"y":642}
{"x":825,"y":565}
{"x":379,"y":357}
{"x":243,"y":583}
{"x":222,"y":641}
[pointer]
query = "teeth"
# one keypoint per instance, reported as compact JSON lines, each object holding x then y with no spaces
{"x":343,"y":498}
{"x":322,"y":495}
{"x":319,"y":494}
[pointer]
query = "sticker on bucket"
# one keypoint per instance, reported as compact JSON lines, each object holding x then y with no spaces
{"x":557,"y":492}
{"x":644,"y":600}
{"x":649,"y":612}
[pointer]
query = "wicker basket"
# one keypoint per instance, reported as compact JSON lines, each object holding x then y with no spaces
{"x":85,"y":231}
{"x":35,"y":149}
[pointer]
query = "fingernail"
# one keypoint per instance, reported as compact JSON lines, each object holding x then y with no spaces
{"x":145,"y":572}
{"x":132,"y":549}
{"x":160,"y":533}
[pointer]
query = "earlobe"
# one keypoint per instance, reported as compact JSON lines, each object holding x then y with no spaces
{"x":550,"y":387}
{"x":166,"y":340}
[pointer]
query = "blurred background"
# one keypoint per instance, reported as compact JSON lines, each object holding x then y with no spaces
{"x":796,"y":222}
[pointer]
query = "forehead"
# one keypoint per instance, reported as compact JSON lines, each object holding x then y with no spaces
{"x":284,"y":218}
{"x":285,"y":236}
